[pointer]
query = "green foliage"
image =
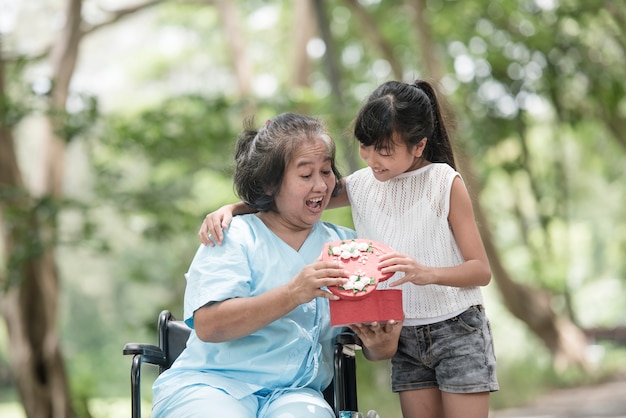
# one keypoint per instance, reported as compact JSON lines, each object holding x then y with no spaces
{"x":539,"y":95}
{"x":149,"y":164}
{"x":374,"y":388}
{"x":82,"y":389}
{"x":79,"y":122}
{"x":196,"y":130}
{"x":17,"y":101}
{"x":34,"y":222}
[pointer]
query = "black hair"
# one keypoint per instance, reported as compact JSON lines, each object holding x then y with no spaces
{"x":262,"y":156}
{"x":408,"y":112}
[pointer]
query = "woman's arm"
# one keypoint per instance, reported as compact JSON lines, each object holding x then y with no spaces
{"x":238,"y":317}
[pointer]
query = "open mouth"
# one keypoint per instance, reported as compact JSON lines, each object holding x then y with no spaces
{"x":315,"y":203}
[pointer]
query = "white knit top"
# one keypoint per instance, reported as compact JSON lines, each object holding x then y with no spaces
{"x":409,"y":213}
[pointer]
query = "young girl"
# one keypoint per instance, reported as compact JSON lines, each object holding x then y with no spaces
{"x":412,"y":199}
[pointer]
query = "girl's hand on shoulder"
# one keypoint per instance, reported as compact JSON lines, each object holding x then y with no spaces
{"x":414,"y":272}
{"x":210,"y":232}
{"x":313,"y":281}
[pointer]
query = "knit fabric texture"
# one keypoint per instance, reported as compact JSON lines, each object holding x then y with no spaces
{"x":409,"y":213}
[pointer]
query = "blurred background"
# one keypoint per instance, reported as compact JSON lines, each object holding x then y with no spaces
{"x":117,"y":125}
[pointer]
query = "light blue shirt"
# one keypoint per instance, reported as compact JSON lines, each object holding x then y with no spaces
{"x":292,"y":352}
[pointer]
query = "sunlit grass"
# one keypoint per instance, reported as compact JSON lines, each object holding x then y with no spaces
{"x":521,"y":380}
{"x":11,"y":410}
{"x":99,"y":408}
{"x":525,"y":379}
{"x":115,"y":408}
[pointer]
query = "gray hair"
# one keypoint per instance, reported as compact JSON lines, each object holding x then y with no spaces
{"x":262,"y":156}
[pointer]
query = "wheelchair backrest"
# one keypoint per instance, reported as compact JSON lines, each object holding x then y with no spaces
{"x":173,"y":336}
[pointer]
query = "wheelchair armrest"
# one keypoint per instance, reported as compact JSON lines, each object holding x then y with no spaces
{"x":150,"y":354}
{"x":347,"y":336}
{"x":349,"y":340}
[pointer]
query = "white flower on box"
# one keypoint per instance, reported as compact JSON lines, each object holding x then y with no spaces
{"x":350,"y":250}
{"x":357,"y":250}
{"x":357,"y":282}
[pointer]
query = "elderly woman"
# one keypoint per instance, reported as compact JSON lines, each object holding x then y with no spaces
{"x":261,"y":341}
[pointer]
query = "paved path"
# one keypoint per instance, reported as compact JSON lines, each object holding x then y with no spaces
{"x":598,"y":401}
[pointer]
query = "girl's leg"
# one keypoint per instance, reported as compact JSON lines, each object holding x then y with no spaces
{"x":305,"y":403}
{"x":456,"y":358}
{"x":432,"y":403}
{"x":466,"y":405}
{"x":421,"y":403}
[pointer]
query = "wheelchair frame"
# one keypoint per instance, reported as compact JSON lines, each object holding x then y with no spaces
{"x":341,"y":394}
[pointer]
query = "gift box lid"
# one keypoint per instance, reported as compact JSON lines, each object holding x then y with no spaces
{"x":361,"y":301}
{"x":360,"y":258}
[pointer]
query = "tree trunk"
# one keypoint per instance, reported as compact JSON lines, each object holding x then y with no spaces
{"x":29,"y":289}
{"x":234,"y":36}
{"x":303,"y":29}
{"x":370,"y":30}
{"x":330,"y":58}
{"x":338,"y":109}
{"x":565,"y":341}
{"x":29,"y":309}
{"x":30,"y":304}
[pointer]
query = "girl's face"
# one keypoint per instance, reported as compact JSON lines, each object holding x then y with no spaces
{"x":306,"y":186}
{"x":387,"y":164}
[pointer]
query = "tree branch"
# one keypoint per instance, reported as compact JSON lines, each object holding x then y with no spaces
{"x":372,"y":32}
{"x":119,"y":14}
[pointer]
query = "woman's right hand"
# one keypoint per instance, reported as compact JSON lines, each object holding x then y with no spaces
{"x":314,"y":279}
{"x":210,"y":232}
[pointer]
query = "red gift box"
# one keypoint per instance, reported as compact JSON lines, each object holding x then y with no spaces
{"x":360,"y":300}
{"x":380,"y":306}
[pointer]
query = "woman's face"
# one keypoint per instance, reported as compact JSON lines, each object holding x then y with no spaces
{"x":306,"y":186}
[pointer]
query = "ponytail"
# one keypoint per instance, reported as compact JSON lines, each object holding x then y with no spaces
{"x":410,"y":112}
{"x":438,"y":148}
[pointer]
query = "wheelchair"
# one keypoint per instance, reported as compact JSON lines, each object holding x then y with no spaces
{"x":341,"y":394}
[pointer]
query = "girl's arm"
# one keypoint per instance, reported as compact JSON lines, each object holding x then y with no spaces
{"x":214,"y":223}
{"x":475,"y":271}
{"x":341,"y":199}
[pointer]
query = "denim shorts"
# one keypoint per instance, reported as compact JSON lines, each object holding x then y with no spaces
{"x":455,"y":355}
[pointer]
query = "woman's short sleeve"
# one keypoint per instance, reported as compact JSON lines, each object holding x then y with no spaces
{"x":219,"y":273}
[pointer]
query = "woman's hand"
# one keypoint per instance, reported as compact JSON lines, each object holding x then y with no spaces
{"x":380,"y":339}
{"x":210,"y":232}
{"x":314,"y":279}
